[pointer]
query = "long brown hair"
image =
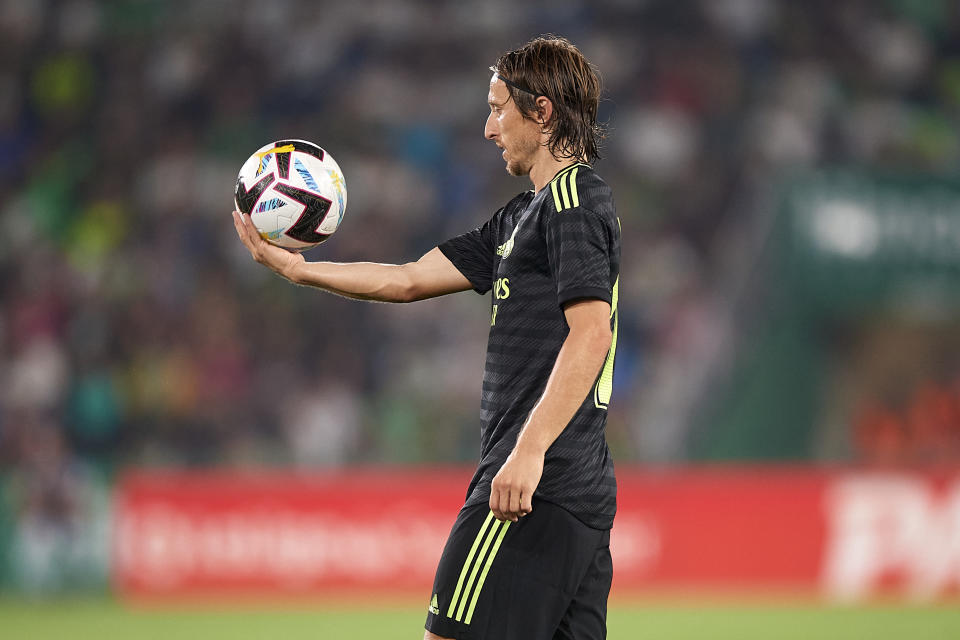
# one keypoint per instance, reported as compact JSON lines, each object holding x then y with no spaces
{"x":553,"y":67}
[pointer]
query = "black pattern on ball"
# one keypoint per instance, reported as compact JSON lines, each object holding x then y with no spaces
{"x":247,"y":198}
{"x":314,"y":211}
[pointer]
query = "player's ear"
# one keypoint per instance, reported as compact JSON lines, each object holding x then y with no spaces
{"x":544,"y":110}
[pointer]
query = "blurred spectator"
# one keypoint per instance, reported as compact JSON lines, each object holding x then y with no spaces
{"x":924,"y":432}
{"x":134,"y":325}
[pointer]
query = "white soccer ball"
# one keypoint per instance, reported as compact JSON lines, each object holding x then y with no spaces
{"x":294,"y":192}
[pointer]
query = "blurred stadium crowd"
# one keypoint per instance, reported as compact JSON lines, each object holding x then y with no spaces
{"x":134,"y":329}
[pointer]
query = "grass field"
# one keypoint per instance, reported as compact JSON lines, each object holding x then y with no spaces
{"x":107,"y":620}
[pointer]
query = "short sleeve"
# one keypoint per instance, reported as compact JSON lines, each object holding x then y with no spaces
{"x":473,"y":253}
{"x":579,"y":243}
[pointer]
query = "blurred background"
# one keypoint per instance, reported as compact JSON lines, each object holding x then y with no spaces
{"x":786,"y":175}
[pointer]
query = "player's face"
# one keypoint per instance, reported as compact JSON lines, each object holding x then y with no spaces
{"x":519,"y":137}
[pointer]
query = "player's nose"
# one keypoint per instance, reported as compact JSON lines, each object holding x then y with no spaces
{"x":490,"y":131}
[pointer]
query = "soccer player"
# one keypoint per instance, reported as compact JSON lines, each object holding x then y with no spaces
{"x":528,"y":556}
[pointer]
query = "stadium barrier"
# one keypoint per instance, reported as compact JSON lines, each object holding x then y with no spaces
{"x":842,"y":535}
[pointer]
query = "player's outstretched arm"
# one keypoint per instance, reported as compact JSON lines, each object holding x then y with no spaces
{"x":430,"y":276}
{"x":574,"y":374}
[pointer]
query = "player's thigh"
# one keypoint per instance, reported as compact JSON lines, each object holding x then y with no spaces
{"x":510,"y":580}
{"x":586,"y":615}
{"x":460,"y":577}
{"x":553,"y":561}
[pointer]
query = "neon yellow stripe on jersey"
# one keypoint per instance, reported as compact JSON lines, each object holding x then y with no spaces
{"x":556,"y":197}
{"x":476,"y":568}
{"x":486,"y":570}
{"x":604,"y":388}
{"x":566,"y":197}
{"x":466,"y":565}
{"x":573,"y":187}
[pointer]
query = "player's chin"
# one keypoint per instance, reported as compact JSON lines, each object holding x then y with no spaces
{"x":516,"y":170}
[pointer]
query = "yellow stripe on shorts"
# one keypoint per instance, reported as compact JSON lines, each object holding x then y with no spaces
{"x":486,"y":570}
{"x":491,"y":533}
{"x":466,"y":564}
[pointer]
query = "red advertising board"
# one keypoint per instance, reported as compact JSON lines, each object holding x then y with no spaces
{"x":843,"y":534}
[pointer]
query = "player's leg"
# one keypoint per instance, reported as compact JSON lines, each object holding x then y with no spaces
{"x":464,"y":571}
{"x":510,"y":581}
{"x":586,"y":617}
{"x":432,"y":636}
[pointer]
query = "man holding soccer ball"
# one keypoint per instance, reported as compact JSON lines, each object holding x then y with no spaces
{"x":528,"y":556}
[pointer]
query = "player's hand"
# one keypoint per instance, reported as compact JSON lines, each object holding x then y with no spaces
{"x":280,"y":260}
{"x":511,"y":492}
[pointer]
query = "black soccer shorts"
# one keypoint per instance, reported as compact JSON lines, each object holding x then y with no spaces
{"x":545,"y":577}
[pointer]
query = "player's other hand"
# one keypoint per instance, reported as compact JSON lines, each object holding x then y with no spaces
{"x":280,"y":260}
{"x":511,"y":492}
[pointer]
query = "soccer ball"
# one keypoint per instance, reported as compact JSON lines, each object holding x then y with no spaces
{"x":294,"y":192}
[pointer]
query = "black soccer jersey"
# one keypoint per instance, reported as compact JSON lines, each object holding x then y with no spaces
{"x":538,"y":253}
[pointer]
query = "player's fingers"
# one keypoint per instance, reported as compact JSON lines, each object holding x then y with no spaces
{"x":242,"y":231}
{"x":504,"y":507}
{"x":495,"y":495}
{"x":526,"y":503}
{"x":251,"y":237}
{"x":249,"y":229}
{"x":241,"y":225}
{"x":505,"y":504}
{"x":514,"y":510}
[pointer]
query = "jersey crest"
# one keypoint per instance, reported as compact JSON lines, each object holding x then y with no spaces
{"x":506,"y":248}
